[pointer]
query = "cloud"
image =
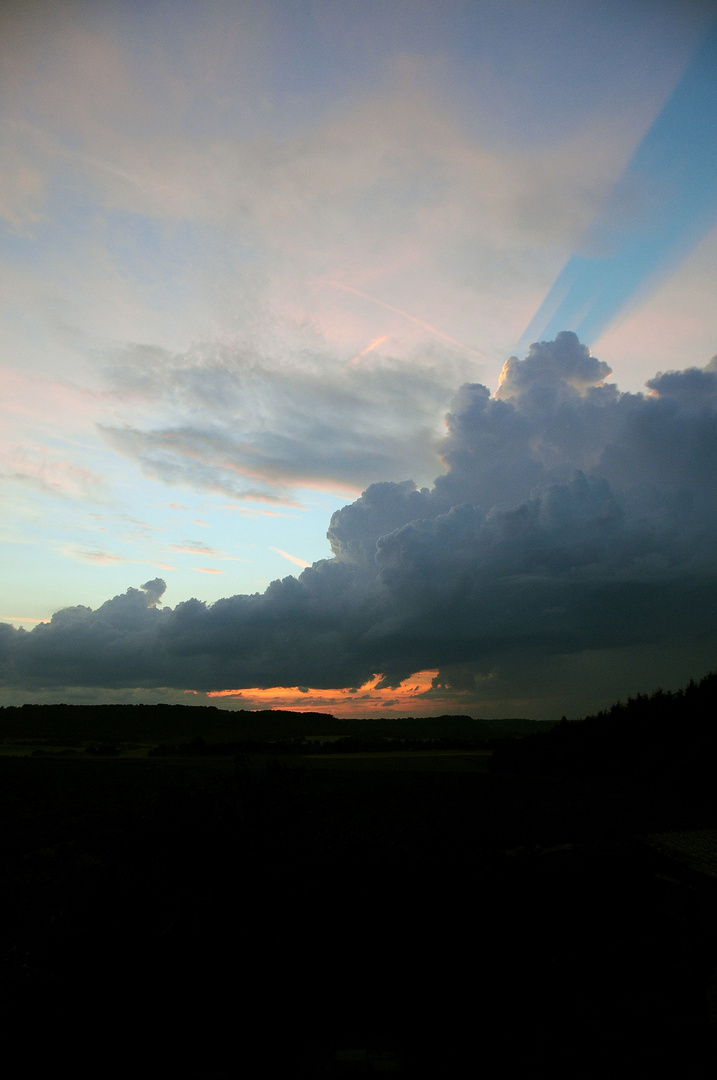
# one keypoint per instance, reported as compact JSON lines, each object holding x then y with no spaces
{"x":23,"y":188}
{"x":561,"y":365}
{"x":41,"y":468}
{"x":194,"y":547}
{"x":168,"y":198}
{"x":225,"y":418}
{"x":573,"y":521}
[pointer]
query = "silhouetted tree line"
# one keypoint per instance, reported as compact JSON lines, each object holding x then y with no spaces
{"x":147,"y":723}
{"x":179,"y":724}
{"x":660,"y":735}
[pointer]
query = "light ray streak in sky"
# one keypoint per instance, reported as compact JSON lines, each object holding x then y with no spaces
{"x":662,"y":206}
{"x":411,"y":318}
{"x":369,"y":348}
{"x":292,"y":558}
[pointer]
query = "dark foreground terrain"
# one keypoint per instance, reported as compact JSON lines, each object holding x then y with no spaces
{"x":416,"y":912}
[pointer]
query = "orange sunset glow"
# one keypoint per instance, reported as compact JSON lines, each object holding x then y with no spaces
{"x":415,"y":696}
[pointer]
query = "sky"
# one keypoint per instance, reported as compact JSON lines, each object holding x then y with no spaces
{"x":358,"y":355}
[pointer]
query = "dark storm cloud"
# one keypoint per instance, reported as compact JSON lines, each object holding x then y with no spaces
{"x":571,"y":520}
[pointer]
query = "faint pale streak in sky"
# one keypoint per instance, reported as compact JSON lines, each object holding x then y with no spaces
{"x":110,"y":558}
{"x":369,"y":348}
{"x":411,"y":318}
{"x":292,"y":558}
{"x":662,"y":206}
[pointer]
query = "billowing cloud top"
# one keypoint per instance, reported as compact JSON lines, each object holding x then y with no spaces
{"x":572,"y":521}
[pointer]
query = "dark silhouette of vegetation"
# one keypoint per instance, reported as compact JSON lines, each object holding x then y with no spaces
{"x":662,"y":742}
{"x":179,"y":724}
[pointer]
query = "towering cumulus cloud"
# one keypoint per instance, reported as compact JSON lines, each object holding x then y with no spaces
{"x":567,"y":551}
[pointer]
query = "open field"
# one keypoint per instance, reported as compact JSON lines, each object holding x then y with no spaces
{"x":470,"y":760}
{"x":402,"y":761}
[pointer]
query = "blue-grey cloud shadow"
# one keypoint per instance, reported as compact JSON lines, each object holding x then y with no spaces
{"x":662,"y":206}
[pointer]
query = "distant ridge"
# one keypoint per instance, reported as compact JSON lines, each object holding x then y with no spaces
{"x":149,"y":723}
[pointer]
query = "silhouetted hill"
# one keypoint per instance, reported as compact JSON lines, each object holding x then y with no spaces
{"x":163,"y":723}
{"x":150,"y":723}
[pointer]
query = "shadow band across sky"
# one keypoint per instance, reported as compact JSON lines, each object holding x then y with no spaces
{"x":661,"y":207}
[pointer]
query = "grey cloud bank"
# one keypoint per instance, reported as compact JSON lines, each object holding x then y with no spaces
{"x":256,"y":427}
{"x":567,"y":554}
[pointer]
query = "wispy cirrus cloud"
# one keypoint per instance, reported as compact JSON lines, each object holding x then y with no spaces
{"x":109,"y":558}
{"x":50,"y":472}
{"x":195,"y":547}
{"x":265,"y":430}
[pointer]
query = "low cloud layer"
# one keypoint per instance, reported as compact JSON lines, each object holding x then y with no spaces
{"x":574,"y":525}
